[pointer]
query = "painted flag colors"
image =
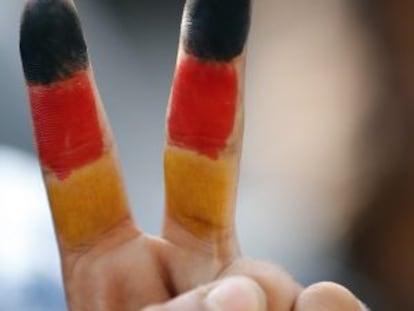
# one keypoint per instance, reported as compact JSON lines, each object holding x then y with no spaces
{"x":205,"y":117}
{"x":73,"y":140}
{"x":204,"y":122}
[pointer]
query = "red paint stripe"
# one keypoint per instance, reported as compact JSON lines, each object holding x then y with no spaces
{"x":203,"y":106}
{"x":66,"y":124}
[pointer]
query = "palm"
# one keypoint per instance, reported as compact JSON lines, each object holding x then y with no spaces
{"x":121,"y":272}
{"x":128,"y":270}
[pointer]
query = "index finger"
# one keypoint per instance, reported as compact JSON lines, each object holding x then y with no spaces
{"x":73,"y":139}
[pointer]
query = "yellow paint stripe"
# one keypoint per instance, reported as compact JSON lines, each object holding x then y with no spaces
{"x":200,"y":192}
{"x":89,"y":203}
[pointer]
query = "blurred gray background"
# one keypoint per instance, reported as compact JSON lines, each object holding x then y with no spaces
{"x":312,"y":79}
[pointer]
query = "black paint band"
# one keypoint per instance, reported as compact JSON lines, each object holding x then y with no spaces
{"x":52,"y":45}
{"x":216,"y":29}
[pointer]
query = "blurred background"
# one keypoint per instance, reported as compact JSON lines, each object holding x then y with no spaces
{"x":327,"y":173}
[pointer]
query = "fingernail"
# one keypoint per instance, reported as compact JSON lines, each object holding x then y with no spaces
{"x":236,"y":294}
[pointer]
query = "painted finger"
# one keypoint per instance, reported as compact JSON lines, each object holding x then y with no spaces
{"x":205,"y":120}
{"x":232,"y":294}
{"x":73,"y":139}
{"x":327,"y":296}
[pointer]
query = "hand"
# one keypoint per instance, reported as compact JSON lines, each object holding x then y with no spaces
{"x":108,"y":262}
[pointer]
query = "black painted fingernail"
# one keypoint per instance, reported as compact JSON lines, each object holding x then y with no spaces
{"x":52,"y":45}
{"x":217,"y":29}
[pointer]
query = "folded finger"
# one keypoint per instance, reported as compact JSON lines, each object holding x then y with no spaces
{"x":327,"y":296}
{"x":232,"y":294}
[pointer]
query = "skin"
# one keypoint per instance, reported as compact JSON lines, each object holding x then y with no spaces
{"x":110,"y":264}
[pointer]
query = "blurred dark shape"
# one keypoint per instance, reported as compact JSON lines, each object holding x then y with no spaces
{"x":381,"y":240}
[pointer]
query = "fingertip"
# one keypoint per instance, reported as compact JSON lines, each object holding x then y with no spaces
{"x":327,"y":296}
{"x":52,"y":44}
{"x":217,"y":29}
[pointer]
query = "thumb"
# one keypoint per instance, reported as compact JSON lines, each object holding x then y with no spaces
{"x":231,"y":294}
